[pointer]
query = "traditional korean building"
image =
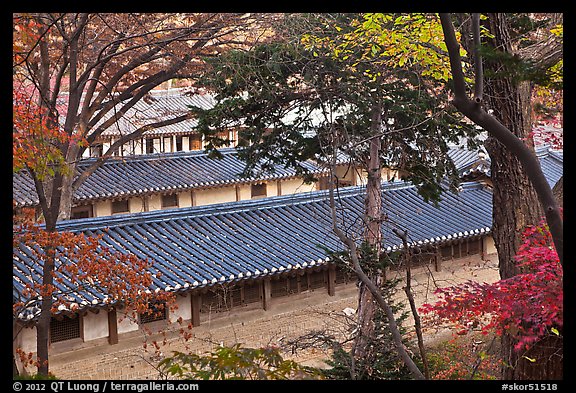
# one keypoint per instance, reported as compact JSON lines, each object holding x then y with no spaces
{"x":172,"y":180}
{"x":248,"y":254}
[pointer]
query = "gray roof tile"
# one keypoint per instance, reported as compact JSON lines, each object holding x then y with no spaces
{"x":194,"y":247}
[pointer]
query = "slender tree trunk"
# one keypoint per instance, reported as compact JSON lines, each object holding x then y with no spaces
{"x":43,"y":325}
{"x":367,"y":305}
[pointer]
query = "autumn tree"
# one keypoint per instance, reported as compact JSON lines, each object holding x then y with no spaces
{"x":507,"y":62}
{"x":335,"y":85}
{"x":76,"y":75}
{"x":527,"y":307}
{"x":78,"y":264}
{"x":87,"y":71}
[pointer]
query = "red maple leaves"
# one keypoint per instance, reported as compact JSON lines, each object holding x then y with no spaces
{"x":528,"y":306}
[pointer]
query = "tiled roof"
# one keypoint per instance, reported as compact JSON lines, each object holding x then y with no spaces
{"x":469,"y":163}
{"x":157,"y":106}
{"x":166,"y":172}
{"x":156,"y":173}
{"x":200,"y":246}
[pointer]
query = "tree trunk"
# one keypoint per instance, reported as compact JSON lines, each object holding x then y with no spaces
{"x":367,"y":305}
{"x":515,"y":202}
{"x":43,"y":325}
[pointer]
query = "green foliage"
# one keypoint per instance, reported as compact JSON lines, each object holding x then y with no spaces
{"x":300,"y":98}
{"x":235,"y":362}
{"x":464,"y":359}
{"x":381,"y":360}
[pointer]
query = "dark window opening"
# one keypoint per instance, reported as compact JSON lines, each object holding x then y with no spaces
{"x":64,"y":329}
{"x":178,"y":143}
{"x":258,"y":190}
{"x":169,"y":200}
{"x":317,"y":279}
{"x":156,"y":312}
{"x":149,"y":146}
{"x":81,"y":212}
{"x":120,"y":206}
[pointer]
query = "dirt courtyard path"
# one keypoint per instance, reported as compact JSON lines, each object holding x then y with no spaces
{"x":292,"y":317}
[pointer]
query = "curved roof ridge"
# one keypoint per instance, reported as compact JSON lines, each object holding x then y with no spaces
{"x":221,"y":208}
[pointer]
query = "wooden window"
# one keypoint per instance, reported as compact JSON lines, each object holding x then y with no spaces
{"x":149,"y":146}
{"x":235,"y":296}
{"x":81,"y":212}
{"x":120,"y":206}
{"x":196,"y":142}
{"x":258,"y":190}
{"x":252,"y":293}
{"x":178,"y":143}
{"x":157,"y":312}
{"x":457,"y":253}
{"x":446,"y":252}
{"x":279,"y":288}
{"x":214,"y":301}
{"x":169,"y":200}
{"x":345,"y":183}
{"x":225,"y":136}
{"x":292,"y":285}
{"x":324,"y":183}
{"x":64,"y":329}
{"x":218,"y":300}
{"x":317,"y":279}
{"x":344,"y":276}
{"x":474,"y":247}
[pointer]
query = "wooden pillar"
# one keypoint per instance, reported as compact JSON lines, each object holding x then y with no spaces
{"x":193,"y":197}
{"x":331,"y":279}
{"x":483,"y":248}
{"x":112,"y":327}
{"x":437,"y":260}
{"x":237,"y":193}
{"x":266,"y":293}
{"x":196,"y":304}
{"x":279,"y":187}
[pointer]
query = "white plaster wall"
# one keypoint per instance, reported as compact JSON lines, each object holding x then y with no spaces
{"x":95,"y":325}
{"x":26,"y":339}
{"x":489,"y":246}
{"x":184,"y":199}
{"x":184,"y":309}
{"x":346,"y":172}
{"x":167,"y":145}
{"x":185,"y":143}
{"x":155,"y":202}
{"x":216,"y":195}
{"x":126,"y":323}
{"x":245,"y":192}
{"x":157,"y":145}
{"x":294,"y":186}
{"x":135,"y":205}
{"x":271,"y":188}
{"x":103,"y":208}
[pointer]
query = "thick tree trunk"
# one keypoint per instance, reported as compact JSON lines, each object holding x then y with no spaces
{"x":515,"y":202}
